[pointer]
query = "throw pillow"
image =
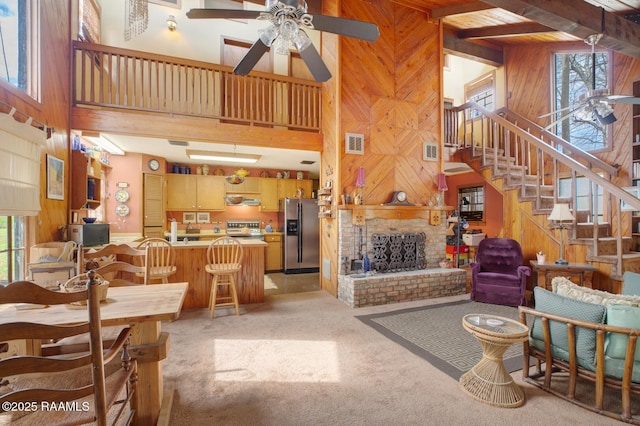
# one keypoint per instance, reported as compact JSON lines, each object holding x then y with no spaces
{"x":564,"y":287}
{"x":552,"y":303}
{"x":622,"y":316}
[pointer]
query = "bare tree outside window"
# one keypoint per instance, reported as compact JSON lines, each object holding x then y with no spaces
{"x":574,"y":77}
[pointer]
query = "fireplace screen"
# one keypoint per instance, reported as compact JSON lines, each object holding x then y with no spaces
{"x":398,"y":252}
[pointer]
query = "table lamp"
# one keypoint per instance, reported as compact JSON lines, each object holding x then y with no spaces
{"x":442,"y":186}
{"x":360,"y":183}
{"x":561,"y":214}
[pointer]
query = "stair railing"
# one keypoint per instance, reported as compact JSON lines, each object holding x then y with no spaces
{"x":519,"y":150}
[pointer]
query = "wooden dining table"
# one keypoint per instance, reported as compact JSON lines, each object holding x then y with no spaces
{"x":142,"y":307}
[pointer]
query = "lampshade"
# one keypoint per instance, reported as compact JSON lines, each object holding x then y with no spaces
{"x":561,"y":213}
{"x":360,"y":177}
{"x":442,"y":182}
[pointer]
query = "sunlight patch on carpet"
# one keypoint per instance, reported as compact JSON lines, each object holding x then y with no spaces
{"x":290,"y":361}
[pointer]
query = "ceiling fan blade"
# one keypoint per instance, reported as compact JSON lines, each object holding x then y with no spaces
{"x":346,"y":27}
{"x":622,"y":99}
{"x":315,"y":64}
{"x":251,"y":58}
{"x":556,"y":111}
{"x":222,"y":14}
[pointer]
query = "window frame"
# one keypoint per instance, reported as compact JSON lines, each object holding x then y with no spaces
{"x":485,"y":84}
{"x":14,"y":257}
{"x":608,"y":139}
{"x":477,"y":197}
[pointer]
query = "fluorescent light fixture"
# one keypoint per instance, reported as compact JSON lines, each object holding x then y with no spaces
{"x":222,"y":156}
{"x":100,"y":140}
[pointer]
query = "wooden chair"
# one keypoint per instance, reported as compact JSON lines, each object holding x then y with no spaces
{"x":103,"y":390}
{"x":107,"y":262}
{"x":224,"y":257}
{"x":161,"y":259}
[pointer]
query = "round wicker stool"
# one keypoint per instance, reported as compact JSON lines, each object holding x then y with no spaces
{"x":488,"y":381}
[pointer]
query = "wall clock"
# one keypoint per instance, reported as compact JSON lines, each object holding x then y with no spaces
{"x":122,"y":210}
{"x":122,"y":195}
{"x":154,"y":164}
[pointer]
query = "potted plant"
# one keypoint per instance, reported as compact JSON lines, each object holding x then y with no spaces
{"x":540,"y":257}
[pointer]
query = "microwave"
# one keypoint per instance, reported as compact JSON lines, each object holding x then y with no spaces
{"x":90,"y":234}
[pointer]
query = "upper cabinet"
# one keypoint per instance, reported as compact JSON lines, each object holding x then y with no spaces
{"x":87,"y":175}
{"x":195,"y":192}
{"x":250,"y":185}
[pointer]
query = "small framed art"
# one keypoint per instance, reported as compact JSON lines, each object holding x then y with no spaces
{"x":55,"y":178}
{"x":189,"y":217}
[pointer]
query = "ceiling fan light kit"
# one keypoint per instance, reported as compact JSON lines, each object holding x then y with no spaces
{"x":288,"y":20}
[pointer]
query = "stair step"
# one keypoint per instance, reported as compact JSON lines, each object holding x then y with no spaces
{"x":609,"y":246}
{"x":585,"y":230}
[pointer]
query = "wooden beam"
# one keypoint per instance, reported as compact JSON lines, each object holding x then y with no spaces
{"x":195,"y":129}
{"x":459,"y":9}
{"x":505,"y":30}
{"x":581,"y":19}
{"x":476,"y":52}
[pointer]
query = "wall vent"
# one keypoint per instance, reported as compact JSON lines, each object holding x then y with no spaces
{"x":430,"y":151}
{"x":354,"y":143}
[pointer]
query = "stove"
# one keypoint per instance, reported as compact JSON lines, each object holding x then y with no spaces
{"x":244,"y":228}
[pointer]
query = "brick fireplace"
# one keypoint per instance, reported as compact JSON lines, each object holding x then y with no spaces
{"x":417,"y":248}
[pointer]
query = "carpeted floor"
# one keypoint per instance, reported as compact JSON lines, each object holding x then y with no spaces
{"x":436,"y":334}
{"x":304,"y":359}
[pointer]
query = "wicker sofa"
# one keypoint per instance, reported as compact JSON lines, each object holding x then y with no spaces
{"x":585,"y":336}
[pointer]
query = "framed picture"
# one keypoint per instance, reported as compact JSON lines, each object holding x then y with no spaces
{"x":55,"y":178}
{"x":204,"y":217}
{"x":189,"y":217}
{"x":633,"y":190}
{"x":176,"y":4}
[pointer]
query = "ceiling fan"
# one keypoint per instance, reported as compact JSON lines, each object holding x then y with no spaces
{"x":595,"y":102}
{"x":288,"y":21}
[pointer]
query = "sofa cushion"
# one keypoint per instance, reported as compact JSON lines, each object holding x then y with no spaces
{"x":552,"y":303}
{"x":622,"y":316}
{"x":564,"y":287}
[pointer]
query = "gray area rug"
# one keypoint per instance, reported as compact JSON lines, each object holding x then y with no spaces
{"x":435,"y":333}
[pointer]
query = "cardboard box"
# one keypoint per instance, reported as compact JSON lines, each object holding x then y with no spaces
{"x":473,"y":239}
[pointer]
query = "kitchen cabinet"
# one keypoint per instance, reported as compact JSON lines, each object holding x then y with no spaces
{"x":269,"y":195}
{"x":153,"y":220}
{"x":86,"y":174}
{"x":251,"y":185}
{"x":195,"y":192}
{"x":635,"y":166}
{"x":273,"y":252}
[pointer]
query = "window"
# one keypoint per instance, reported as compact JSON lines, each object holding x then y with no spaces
{"x":19,"y":28}
{"x":482,"y":92}
{"x":471,"y":203}
{"x":89,"y":21}
{"x":12,"y":249}
{"x":586,"y":199}
{"x":573,"y":76}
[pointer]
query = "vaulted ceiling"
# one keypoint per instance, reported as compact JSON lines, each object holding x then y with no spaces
{"x":479,"y":29}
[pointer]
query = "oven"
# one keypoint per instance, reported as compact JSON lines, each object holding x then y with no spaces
{"x":248,"y":229}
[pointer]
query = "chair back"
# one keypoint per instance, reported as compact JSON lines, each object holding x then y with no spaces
{"x":631,"y":283}
{"x":501,"y":255}
{"x":161,"y":256}
{"x":108,"y":263}
{"x":225,"y":251}
{"x":69,"y":383}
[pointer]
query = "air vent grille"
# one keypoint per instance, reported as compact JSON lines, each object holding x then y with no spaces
{"x":178,"y":143}
{"x":430,"y":152}
{"x":354,"y":143}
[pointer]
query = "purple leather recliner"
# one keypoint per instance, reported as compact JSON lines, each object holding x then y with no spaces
{"x":497,"y":275}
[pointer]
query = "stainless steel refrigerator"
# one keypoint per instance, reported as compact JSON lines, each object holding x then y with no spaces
{"x":299,"y":218}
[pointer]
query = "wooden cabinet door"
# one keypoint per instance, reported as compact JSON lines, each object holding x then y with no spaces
{"x":287,"y":188}
{"x":153,"y":205}
{"x":269,"y":195}
{"x":181,"y":192}
{"x":210,"y":192}
{"x":307,"y":187}
{"x":273,"y":252}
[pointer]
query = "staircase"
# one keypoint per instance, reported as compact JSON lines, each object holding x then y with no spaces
{"x":519,"y":157}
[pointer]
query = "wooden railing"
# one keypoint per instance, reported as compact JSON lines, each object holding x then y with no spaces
{"x":110,"y":77}
{"x":530,"y":157}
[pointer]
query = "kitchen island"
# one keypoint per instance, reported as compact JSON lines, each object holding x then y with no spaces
{"x":191,"y":259}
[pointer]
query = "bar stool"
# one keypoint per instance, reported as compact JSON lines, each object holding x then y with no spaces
{"x":161,"y":258}
{"x":225,"y":257}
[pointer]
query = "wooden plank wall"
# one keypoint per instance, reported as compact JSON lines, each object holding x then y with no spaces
{"x":52,"y":110}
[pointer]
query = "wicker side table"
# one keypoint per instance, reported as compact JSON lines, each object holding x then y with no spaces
{"x":489,"y":381}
